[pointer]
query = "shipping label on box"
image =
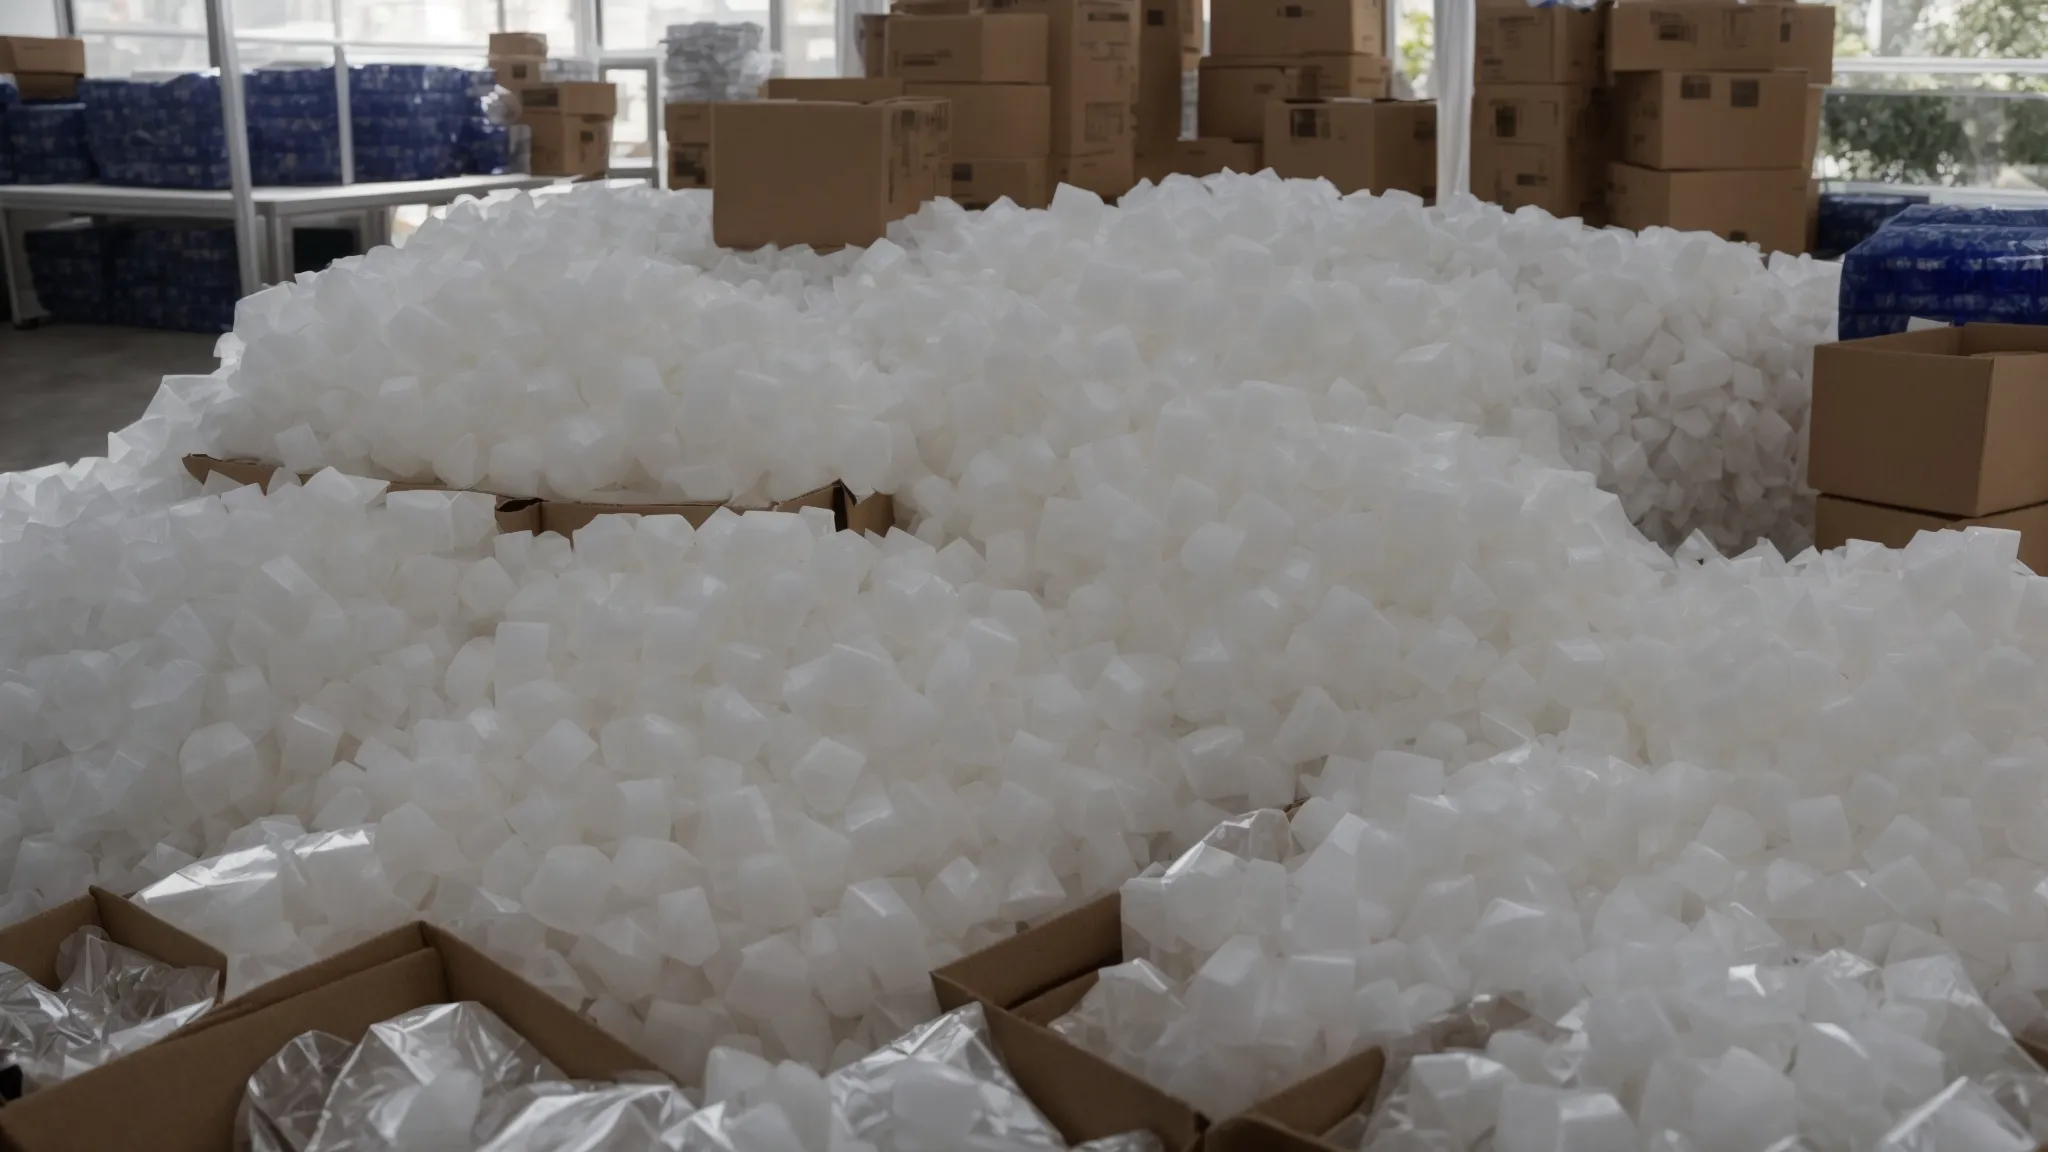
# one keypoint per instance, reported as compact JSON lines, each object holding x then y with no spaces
{"x":1203,"y":157}
{"x":1516,"y":44}
{"x":1766,"y":208}
{"x":518,"y":44}
{"x":571,"y":98}
{"x":870,"y":39}
{"x":42,"y":54}
{"x":1685,"y":121}
{"x":1703,"y":35}
{"x":570,"y":145}
{"x":1357,"y":145}
{"x":1296,"y":27}
{"x":687,"y":121}
{"x":996,"y":121}
{"x":1234,"y":92}
{"x":1806,"y":40}
{"x":981,"y":48}
{"x":822,"y":173}
{"x":980,"y":183}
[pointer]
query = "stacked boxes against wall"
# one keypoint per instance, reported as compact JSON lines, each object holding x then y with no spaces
{"x":569,"y":121}
{"x":1540,"y":126}
{"x":1169,"y":61}
{"x":1714,"y":135}
{"x":993,"y":69}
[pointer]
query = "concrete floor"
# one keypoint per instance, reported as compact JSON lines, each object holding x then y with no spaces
{"x":63,"y":387}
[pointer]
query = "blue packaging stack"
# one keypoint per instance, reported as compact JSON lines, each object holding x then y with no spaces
{"x":1848,"y":218}
{"x":486,"y":145}
{"x":294,"y":137}
{"x":9,"y":95}
{"x":174,"y":277}
{"x":157,"y":134}
{"x":407,"y":120}
{"x":67,"y":263}
{"x":47,"y":143}
{"x":1950,"y":263}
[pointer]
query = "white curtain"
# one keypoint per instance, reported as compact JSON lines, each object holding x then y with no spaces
{"x":1451,"y":79}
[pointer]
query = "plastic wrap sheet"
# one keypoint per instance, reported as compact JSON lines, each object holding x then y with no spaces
{"x":1262,"y":835}
{"x":571,"y":1117}
{"x":286,"y":1097}
{"x":938,"y":1086}
{"x":110,"y":1001}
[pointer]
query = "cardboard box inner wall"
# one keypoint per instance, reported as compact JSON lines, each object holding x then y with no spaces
{"x":1092,"y":65}
{"x":825,"y":174}
{"x":1686,"y":121}
{"x":1947,"y":420}
{"x":980,"y":48}
{"x":1838,"y":520}
{"x":1296,"y":27}
{"x":1203,"y":157}
{"x":182,"y":1095}
{"x":1357,"y":145}
{"x":31,"y":945}
{"x":687,"y":124}
{"x":1696,"y":35}
{"x":1516,"y":44}
{"x":1234,"y":92}
{"x":42,"y":54}
{"x":996,"y":121}
{"x":1766,"y":208}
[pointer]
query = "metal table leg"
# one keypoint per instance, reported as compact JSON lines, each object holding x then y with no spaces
{"x":17,"y":273}
{"x":280,"y":248}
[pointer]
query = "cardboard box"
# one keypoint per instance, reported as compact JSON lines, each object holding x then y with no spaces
{"x":853,"y":90}
{"x":1816,"y":100}
{"x":981,"y":48}
{"x":42,"y":54}
{"x":1204,"y":157}
{"x":1766,"y":208}
{"x":519,"y":44}
{"x":1838,"y":520}
{"x":871,"y":39}
{"x":519,"y":71}
{"x":980,"y":183}
{"x":1107,"y":174}
{"x":1695,"y":35}
{"x":1516,"y":44}
{"x":571,"y":98}
{"x":47,"y":85}
{"x":1539,"y":114}
{"x":689,"y":166}
{"x":996,"y":121}
{"x":687,"y":121}
{"x":182,"y":1095}
{"x":514,"y":514}
{"x":1806,"y":40}
{"x":825,"y":174}
{"x":1690,"y":121}
{"x":1946,"y":420}
{"x":1358,"y":145}
{"x":931,"y":7}
{"x":1296,"y":27}
{"x":1294,"y":1119}
{"x":569,"y":145}
{"x":1092,"y":65}
{"x":1169,"y":43}
{"x":1234,"y":92}
{"x":1561,"y":179}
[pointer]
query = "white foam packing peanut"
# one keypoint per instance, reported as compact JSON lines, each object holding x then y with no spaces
{"x":1181,"y":539}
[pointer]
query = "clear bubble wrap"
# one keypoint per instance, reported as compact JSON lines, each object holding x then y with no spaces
{"x":110,"y":1001}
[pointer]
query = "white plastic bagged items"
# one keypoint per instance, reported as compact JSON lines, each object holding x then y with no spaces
{"x":111,"y":1001}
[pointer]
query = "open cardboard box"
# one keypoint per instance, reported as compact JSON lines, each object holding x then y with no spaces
{"x":182,"y":1095}
{"x":1039,"y":974}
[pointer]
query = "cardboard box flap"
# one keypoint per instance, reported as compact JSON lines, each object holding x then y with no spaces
{"x":566,"y":516}
{"x":1319,"y":1103}
{"x":31,"y":945}
{"x":874,"y":513}
{"x":379,"y":949}
{"x":1032,"y":963}
{"x":1050,"y":1006}
{"x":1254,"y":1133}
{"x":1085,"y":1096}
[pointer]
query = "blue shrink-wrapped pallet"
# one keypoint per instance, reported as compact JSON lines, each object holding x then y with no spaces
{"x":183,"y":277}
{"x":9,"y":95}
{"x":1848,"y":218}
{"x":157,"y":133}
{"x":47,"y":144}
{"x":1951,"y":263}
{"x":67,"y":264}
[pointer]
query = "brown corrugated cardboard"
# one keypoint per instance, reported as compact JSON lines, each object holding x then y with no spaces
{"x":1701,"y":35}
{"x":519,"y":44}
{"x":519,"y":71}
{"x":42,"y":54}
{"x":687,"y":121}
{"x":1539,"y":114}
{"x":825,"y":174}
{"x":1293,"y":1119}
{"x":512,"y":514}
{"x":569,"y":145}
{"x":1838,"y":520}
{"x":996,"y":121}
{"x":1107,"y":174}
{"x":931,"y":7}
{"x":1293,"y":27}
{"x":979,"y":48}
{"x":1689,"y":121}
{"x":31,"y":945}
{"x":689,"y":166}
{"x":1767,"y":208}
{"x":1806,"y":40}
{"x":182,"y":1095}
{"x":1556,"y":177}
{"x":1358,"y":145}
{"x":1204,"y":157}
{"x":1947,"y":420}
{"x":871,"y":38}
{"x":980,"y":183}
{"x":852,"y":89}
{"x":1816,"y":98}
{"x":1162,"y":57}
{"x":1516,"y":44}
{"x":47,"y":85}
{"x":571,"y":98}
{"x":1235,"y":91}
{"x":1092,"y":65}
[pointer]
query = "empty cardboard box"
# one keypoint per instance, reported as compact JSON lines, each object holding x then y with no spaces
{"x":980,"y":183}
{"x":1234,"y":91}
{"x":1691,"y":35}
{"x":1296,"y":27}
{"x":1766,"y":208}
{"x":825,"y":173}
{"x":1686,"y":121}
{"x":979,"y":48}
{"x":1357,"y":145}
{"x":1948,"y":421}
{"x":996,"y":121}
{"x":1838,"y":520}
{"x":1516,"y":44}
{"x":61,"y":55}
{"x":852,"y":89}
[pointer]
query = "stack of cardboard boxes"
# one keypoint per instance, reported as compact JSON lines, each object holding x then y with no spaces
{"x":1260,"y":51}
{"x":44,"y":67}
{"x":570,"y":120}
{"x":1716,"y":120}
{"x":1091,"y":60}
{"x":992,"y":68}
{"x":687,"y":124}
{"x":1540,"y":130}
{"x":1170,"y":47}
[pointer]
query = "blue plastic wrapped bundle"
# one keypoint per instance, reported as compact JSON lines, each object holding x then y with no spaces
{"x":9,"y":95}
{"x":157,"y":134}
{"x":407,"y":120}
{"x":67,"y":264}
{"x":48,"y":143}
{"x":1949,"y":263}
{"x":183,"y":278}
{"x":294,"y":136}
{"x":1848,"y":218}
